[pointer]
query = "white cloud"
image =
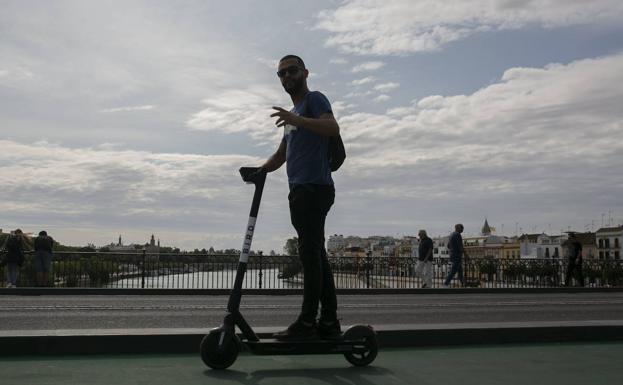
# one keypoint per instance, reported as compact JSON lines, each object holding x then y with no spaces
{"x":358,"y":94}
{"x":360,"y":82}
{"x":535,"y":130}
{"x":146,"y":107}
{"x":269,"y":63}
{"x":384,"y":27}
{"x":368,"y":66}
{"x":246,"y":110}
{"x":110,"y":191}
{"x":338,"y":61}
{"x":400,"y":111}
{"x":386,"y":86}
{"x":15,"y":76}
{"x":382,"y":98}
{"x":340,"y":107}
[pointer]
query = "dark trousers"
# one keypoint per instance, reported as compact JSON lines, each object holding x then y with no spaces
{"x":572,"y":267}
{"x":457,"y":267}
{"x":309,"y":205}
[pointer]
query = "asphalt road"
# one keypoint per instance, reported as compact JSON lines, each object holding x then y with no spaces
{"x":51,"y":312}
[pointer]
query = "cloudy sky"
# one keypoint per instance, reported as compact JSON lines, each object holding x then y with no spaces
{"x":133,"y":117}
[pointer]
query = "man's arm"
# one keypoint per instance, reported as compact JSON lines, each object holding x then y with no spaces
{"x":277,"y":159}
{"x":325,"y":125}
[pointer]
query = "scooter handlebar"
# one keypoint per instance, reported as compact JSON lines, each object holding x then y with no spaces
{"x":255,"y":175}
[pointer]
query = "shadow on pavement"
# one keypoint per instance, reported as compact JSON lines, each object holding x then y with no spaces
{"x":350,"y":375}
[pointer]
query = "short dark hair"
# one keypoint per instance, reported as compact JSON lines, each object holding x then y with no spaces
{"x":43,"y":233}
{"x":293,"y":57}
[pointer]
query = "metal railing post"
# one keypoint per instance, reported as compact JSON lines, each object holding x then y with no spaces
{"x":143,"y":270}
{"x":260,"y":273}
{"x":368,"y":270}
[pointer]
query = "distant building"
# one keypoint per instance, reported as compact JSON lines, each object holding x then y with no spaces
{"x":335,"y":244}
{"x":510,"y":249}
{"x":486,"y":229}
{"x":589,"y":245}
{"x":152,"y":248}
{"x":609,"y":240}
{"x":440,"y":247}
{"x":534,"y":246}
{"x":120,"y":247}
{"x":355,"y":252}
{"x":490,"y":246}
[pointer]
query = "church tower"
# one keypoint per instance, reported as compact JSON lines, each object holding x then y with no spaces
{"x":486,"y":230}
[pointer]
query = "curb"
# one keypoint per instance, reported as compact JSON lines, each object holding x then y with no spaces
{"x":34,"y":291}
{"x":176,"y":341}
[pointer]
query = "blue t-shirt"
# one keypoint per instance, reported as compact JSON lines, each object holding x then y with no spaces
{"x":306,"y":154}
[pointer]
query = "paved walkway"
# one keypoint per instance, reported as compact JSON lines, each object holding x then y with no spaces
{"x":547,"y":364}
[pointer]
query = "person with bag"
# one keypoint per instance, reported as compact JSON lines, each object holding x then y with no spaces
{"x":14,"y":258}
{"x":312,"y":148}
{"x":424,"y":268}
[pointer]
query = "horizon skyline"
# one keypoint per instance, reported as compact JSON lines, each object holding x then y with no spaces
{"x":612,"y":223}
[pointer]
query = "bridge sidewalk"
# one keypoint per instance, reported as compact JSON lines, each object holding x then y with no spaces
{"x":163,"y":341}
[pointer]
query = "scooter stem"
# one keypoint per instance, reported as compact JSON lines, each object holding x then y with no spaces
{"x":257,"y":176}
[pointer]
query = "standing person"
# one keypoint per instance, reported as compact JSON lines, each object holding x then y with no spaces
{"x":43,"y":257}
{"x":574,"y":251}
{"x":455,"y":246}
{"x":424,"y":268}
{"x":14,"y":246}
{"x":304,"y":147}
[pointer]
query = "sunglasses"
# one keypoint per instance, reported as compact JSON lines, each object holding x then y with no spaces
{"x":292,"y":70}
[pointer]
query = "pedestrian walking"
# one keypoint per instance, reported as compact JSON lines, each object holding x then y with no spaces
{"x":308,"y":129}
{"x":574,"y":263}
{"x":14,"y":257}
{"x":455,"y":247}
{"x":424,"y":268}
{"x":43,"y":258}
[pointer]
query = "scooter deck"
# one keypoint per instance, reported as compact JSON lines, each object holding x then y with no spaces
{"x":271,"y":346}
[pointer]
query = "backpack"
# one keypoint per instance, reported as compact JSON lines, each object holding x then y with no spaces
{"x":336,"y":151}
{"x":13,"y":244}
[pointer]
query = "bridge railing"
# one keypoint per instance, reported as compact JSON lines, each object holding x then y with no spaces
{"x":217,"y":271}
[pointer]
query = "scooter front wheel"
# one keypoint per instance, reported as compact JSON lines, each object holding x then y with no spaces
{"x":365,"y":345}
{"x":219,"y":349}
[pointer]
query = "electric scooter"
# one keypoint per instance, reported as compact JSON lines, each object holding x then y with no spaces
{"x":220,"y":348}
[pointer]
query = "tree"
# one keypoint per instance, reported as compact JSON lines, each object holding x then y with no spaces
{"x":292,"y":246}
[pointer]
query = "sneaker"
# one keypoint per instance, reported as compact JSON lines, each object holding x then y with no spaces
{"x":298,"y":330}
{"x":424,"y":286}
{"x":329,"y":330}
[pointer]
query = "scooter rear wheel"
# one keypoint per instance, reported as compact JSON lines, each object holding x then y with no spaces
{"x":219,"y":349}
{"x":365,"y":347}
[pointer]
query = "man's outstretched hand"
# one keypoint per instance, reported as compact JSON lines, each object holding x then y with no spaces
{"x":286,"y":117}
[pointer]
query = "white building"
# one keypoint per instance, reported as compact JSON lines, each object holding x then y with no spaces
{"x":532,"y":246}
{"x":440,"y":247}
{"x":609,"y":241}
{"x":335,"y":244}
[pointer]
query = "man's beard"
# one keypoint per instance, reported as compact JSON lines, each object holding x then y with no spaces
{"x":296,"y":86}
